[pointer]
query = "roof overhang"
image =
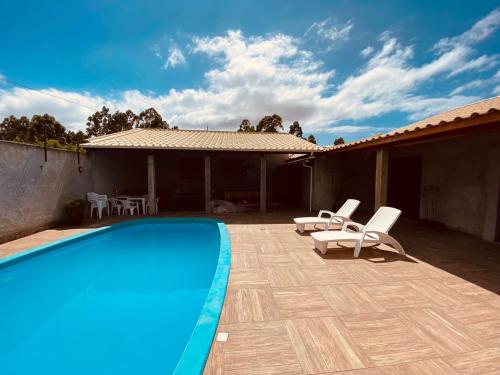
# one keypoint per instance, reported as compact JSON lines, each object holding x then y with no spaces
{"x":457,"y":127}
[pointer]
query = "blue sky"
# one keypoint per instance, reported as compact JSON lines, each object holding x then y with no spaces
{"x":341,"y":68}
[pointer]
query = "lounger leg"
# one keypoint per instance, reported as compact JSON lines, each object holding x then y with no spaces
{"x":397,"y":246}
{"x":357,"y":249}
{"x":321,"y":246}
{"x":301,"y":228}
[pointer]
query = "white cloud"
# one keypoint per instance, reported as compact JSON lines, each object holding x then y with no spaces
{"x":469,"y":85}
{"x":367,"y":51}
{"x":350,"y":129}
{"x":330,"y":32}
{"x":252,"y":76}
{"x":2,"y":78}
{"x":175,"y":58}
{"x":480,"y":31}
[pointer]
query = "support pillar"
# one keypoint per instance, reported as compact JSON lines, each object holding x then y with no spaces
{"x":151,"y":186}
{"x":263,"y":176}
{"x":208,"y":186}
{"x":381,"y":178}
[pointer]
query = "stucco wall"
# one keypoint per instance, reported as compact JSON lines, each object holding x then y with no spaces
{"x":33,"y":192}
{"x":460,"y":181}
{"x":342,"y":177}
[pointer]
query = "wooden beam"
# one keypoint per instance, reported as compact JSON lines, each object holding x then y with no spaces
{"x":151,"y":186}
{"x":381,"y":178}
{"x":263,"y":192}
{"x":208,"y":186}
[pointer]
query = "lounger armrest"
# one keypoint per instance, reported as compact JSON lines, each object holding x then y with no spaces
{"x":325,"y":212}
{"x":342,"y":219}
{"x":359,"y":227}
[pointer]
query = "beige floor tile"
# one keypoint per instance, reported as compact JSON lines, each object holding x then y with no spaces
{"x":326,"y":275}
{"x":438,"y":293}
{"x":307,"y":258}
{"x":385,"y":339}
{"x":480,"y":318}
{"x":248,"y":277}
{"x":469,"y":289}
{"x":396,"y":295}
{"x":294,"y":369}
{"x":323,"y":345}
{"x":258,"y":345}
{"x":245,"y":260}
{"x":249,"y":305}
{"x":364,"y":274}
{"x":301,"y":302}
{"x":282,"y":259}
{"x":284,"y":276}
{"x":480,"y":362}
{"x":349,"y":299}
{"x":441,"y":332}
{"x":428,"y":367}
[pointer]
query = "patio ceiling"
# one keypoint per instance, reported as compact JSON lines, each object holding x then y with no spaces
{"x":203,"y":141}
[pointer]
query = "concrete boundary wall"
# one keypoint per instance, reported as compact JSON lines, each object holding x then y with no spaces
{"x":33,"y":192}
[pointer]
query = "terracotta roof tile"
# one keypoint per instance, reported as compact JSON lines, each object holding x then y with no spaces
{"x":203,"y":140}
{"x":468,"y":111}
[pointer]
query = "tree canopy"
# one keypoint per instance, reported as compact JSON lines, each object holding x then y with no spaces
{"x":270,"y":124}
{"x":246,"y":126}
{"x":296,"y":130}
{"x":103,"y":122}
{"x":45,"y":127}
{"x":338,"y":141}
{"x":37,"y":129}
{"x":311,"y":139}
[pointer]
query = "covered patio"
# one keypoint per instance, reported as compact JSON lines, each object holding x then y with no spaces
{"x":290,"y":310}
{"x":187,"y":170}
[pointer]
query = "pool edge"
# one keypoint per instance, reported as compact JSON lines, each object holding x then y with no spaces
{"x":197,"y":350}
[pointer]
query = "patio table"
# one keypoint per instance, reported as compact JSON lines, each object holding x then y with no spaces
{"x":139,"y":198}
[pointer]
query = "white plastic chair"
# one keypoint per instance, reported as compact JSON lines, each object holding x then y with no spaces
{"x":115,"y":204}
{"x":342,"y":215}
{"x":98,"y":202}
{"x":130,"y":206}
{"x":375,"y":232}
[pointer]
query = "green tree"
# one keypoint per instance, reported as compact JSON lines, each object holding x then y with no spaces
{"x":45,"y":126}
{"x":311,"y":139}
{"x":270,"y":124}
{"x":99,"y":123}
{"x":150,"y":118}
{"x":338,"y":141}
{"x":296,"y":130}
{"x":246,"y":126}
{"x":15,"y":129}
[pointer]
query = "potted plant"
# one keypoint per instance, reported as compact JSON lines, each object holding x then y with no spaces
{"x":75,"y":209}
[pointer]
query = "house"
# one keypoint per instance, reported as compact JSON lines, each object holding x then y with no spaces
{"x":442,"y":171}
{"x":187,"y":169}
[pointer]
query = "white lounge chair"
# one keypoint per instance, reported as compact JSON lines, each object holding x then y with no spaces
{"x":342,"y":215}
{"x":374,"y":232}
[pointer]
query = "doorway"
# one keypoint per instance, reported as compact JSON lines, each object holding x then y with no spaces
{"x":404,"y":185}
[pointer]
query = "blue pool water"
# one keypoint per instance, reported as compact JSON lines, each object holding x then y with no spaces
{"x":125,"y":300}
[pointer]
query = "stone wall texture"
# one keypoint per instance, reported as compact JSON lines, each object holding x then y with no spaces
{"x":33,"y":192}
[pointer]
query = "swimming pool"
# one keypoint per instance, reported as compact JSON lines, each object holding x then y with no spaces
{"x":139,"y":297}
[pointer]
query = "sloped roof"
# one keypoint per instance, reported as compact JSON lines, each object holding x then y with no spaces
{"x":202,"y":140}
{"x":443,"y":119}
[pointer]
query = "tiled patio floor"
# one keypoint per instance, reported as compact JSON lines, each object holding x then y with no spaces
{"x":290,"y":310}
